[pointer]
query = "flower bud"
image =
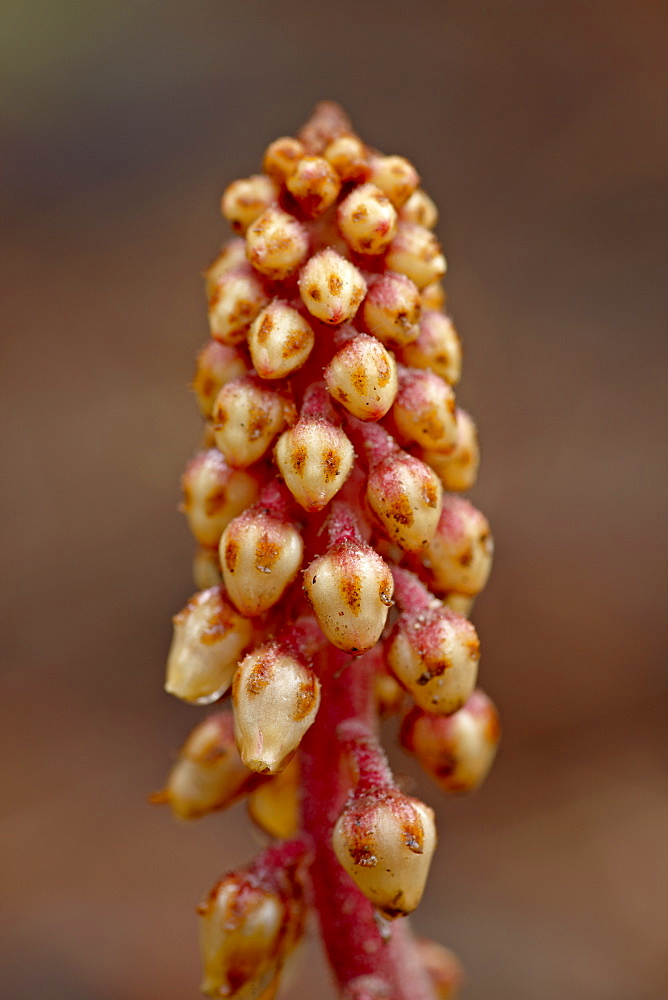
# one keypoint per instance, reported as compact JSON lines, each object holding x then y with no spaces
{"x":315,"y":456}
{"x":462,"y":604}
{"x":459,"y":556}
{"x":424,"y":410}
{"x":315,"y":184}
{"x":433,"y":296}
{"x":231,"y":255}
{"x":443,"y":968}
{"x":367,"y":220}
{"x":362,"y":376}
{"x":406,"y":495}
{"x":396,"y":176}
{"x":385,"y":841}
{"x":391,"y":309}
{"x":209,"y":773}
{"x":420,"y":209}
{"x":260,"y":556}
{"x":457,"y":751}
{"x":274,"y":805}
{"x":389,"y":694}
{"x":435,"y":654}
{"x":247,"y":416}
{"x":458,"y":469}
{"x":438,"y":347}
{"x":209,"y":638}
{"x":276,"y":243}
{"x":350,"y":589}
{"x":276,"y":699}
{"x":416,"y":252}
{"x":244,"y":200}
{"x":236,"y":299}
{"x":347,"y":154}
{"x":217,"y":364}
{"x":280,"y":341}
{"x":331,"y":287}
{"x":206,"y":567}
{"x":213,"y":494}
{"x":281,"y":158}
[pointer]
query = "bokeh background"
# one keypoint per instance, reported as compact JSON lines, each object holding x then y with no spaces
{"x":539,"y":129}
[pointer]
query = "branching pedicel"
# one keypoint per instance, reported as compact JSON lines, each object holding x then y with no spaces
{"x":336,"y":573}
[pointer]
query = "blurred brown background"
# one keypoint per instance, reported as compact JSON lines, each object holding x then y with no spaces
{"x":539,"y":130}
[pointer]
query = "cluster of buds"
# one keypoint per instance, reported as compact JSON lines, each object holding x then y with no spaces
{"x":336,"y":563}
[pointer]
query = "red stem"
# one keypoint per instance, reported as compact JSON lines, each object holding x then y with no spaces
{"x":355,"y":942}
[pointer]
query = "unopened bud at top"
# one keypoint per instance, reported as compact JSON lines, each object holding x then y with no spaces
{"x":217,"y":364}
{"x":458,"y":468}
{"x":420,"y":209}
{"x":280,"y":340}
{"x":247,"y":416}
{"x":416,"y":252}
{"x":277,"y":244}
{"x":209,"y":638}
{"x":281,"y":157}
{"x":348,"y":155}
{"x":424,"y":410}
{"x":213,"y":494}
{"x":456,"y":750}
{"x":244,"y":200}
{"x":396,"y":176}
{"x":362,"y":376}
{"x":314,"y":183}
{"x":367,"y":220}
{"x":391,"y":309}
{"x":459,"y":556}
{"x":236,"y":299}
{"x":331,"y":287}
{"x":438,"y":347}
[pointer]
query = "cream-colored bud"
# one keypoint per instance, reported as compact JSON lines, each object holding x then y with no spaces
{"x":424,"y":410}
{"x":246,"y":418}
{"x":367,"y":220}
{"x":209,"y":773}
{"x":315,"y":458}
{"x":209,"y":638}
{"x":391,"y":309}
{"x":206,"y":567}
{"x":213,"y":494}
{"x":438,"y":347}
{"x":396,"y":176}
{"x":458,"y":469}
{"x":435,"y":656}
{"x":281,"y":157}
{"x":406,"y":495}
{"x":244,"y":200}
{"x":461,"y":603}
{"x":231,"y":255}
{"x":348,"y":155}
{"x":457,"y":750}
{"x":362,"y":376}
{"x":315,"y":184}
{"x":420,"y":209}
{"x":416,"y":252}
{"x":217,"y":364}
{"x":236,"y":299}
{"x":274,"y":805}
{"x":280,"y":340}
{"x":386,"y":842}
{"x":276,"y":699}
{"x":260,"y":556}
{"x":433,"y":296}
{"x":242,"y":930}
{"x":331,"y":287}
{"x":459,"y":556}
{"x":388,"y":692}
{"x":276,"y":243}
{"x":350,"y":589}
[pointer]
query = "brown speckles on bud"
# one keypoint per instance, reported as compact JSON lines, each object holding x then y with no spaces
{"x":459,"y":556}
{"x":367,"y":220}
{"x":416,"y":252}
{"x":315,"y":184}
{"x":434,"y":654}
{"x":331,"y":287}
{"x":236,"y":299}
{"x":245,"y":199}
{"x":350,"y":590}
{"x":405,"y":494}
{"x":276,"y":699}
{"x":315,"y":458}
{"x":457,"y":750}
{"x":458,"y":469}
{"x":385,"y":841}
{"x":348,"y":156}
{"x":362,"y":376}
{"x":216,"y":365}
{"x":396,"y":176}
{"x":209,"y":638}
{"x":276,"y":243}
{"x":438,"y":347}
{"x":424,"y":410}
{"x":420,"y":209}
{"x":280,"y":340}
{"x":281,"y":157}
{"x":213,"y":494}
{"x":260,"y":556}
{"x":274,"y":804}
{"x":231,"y":255}
{"x":247,"y":416}
{"x":391,"y":309}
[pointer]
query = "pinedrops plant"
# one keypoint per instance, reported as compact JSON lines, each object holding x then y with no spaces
{"x":336,"y":567}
